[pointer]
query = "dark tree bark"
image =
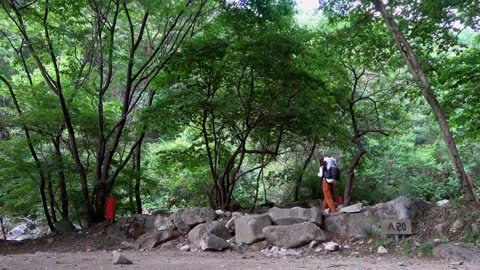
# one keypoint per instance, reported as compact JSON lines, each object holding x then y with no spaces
{"x":138,"y":179}
{"x":347,"y":195}
{"x":61,"y":178}
{"x":4,"y":233}
{"x":259,"y":176}
{"x":302,"y":172}
{"x":131,"y":191}
{"x":51,"y":196}
{"x":416,"y":70}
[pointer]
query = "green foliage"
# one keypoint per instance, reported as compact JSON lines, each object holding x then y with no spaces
{"x":177,"y":175}
{"x":384,"y":242}
{"x":407,"y":250}
{"x":249,"y":79}
{"x":471,"y":237}
{"x":425,"y":250}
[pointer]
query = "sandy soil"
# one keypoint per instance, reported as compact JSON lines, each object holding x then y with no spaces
{"x":212,"y":260}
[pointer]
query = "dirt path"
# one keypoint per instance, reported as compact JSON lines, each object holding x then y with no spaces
{"x":211,"y":260}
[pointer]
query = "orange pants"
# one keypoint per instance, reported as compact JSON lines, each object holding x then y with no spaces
{"x":328,"y":196}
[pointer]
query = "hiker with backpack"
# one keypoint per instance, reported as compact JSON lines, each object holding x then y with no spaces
{"x":329,"y":174}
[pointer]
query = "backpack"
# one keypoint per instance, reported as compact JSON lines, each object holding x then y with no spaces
{"x":333,"y":173}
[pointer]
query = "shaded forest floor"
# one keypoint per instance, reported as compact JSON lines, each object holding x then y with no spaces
{"x":93,"y":250}
{"x":159,"y":259}
{"x":94,"y":239}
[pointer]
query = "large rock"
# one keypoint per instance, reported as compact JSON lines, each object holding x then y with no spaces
{"x":401,"y":208}
{"x":27,"y":229}
{"x":358,"y":224}
{"x":214,"y":227}
{"x":352,"y":224}
{"x":296,"y":235}
{"x":185,"y":219}
{"x":355,"y":208}
{"x":153,"y":239}
{"x":249,"y":228}
{"x":64,"y":226}
{"x":456,"y":253}
{"x":163,"y":223}
{"x":287,"y":216}
{"x":210,"y":241}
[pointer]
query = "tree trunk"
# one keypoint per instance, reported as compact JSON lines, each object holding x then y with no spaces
{"x":131,"y":191}
{"x":415,"y":69}
{"x":45,"y":204}
{"x":302,"y":172}
{"x":347,"y":195}
{"x":4,"y":234}
{"x":51,"y":195}
{"x":61,"y":179}
{"x":138,"y":178}
{"x":259,"y":176}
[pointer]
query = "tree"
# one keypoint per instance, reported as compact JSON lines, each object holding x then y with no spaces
{"x":242,"y":84}
{"x":416,"y":70}
{"x":100,"y":65}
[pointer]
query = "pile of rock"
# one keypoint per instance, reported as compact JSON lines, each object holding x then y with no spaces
{"x":283,"y":228}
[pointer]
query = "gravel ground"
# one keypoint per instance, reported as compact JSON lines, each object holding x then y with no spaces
{"x":213,"y":260}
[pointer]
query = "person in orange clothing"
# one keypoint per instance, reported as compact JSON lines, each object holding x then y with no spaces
{"x":327,"y":188}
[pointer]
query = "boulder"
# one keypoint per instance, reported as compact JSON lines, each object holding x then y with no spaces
{"x":187,"y":218}
{"x":453,"y":252}
{"x":27,"y":229}
{"x":352,"y":208}
{"x":214,"y":227}
{"x":164,"y":223}
{"x":153,"y":239}
{"x":210,"y":241}
{"x":358,"y":224}
{"x":352,"y":224}
{"x":295,"y":235}
{"x":249,"y":228}
{"x":402,"y":208}
{"x":287,"y":216}
{"x":64,"y":226}
{"x":119,"y":258}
